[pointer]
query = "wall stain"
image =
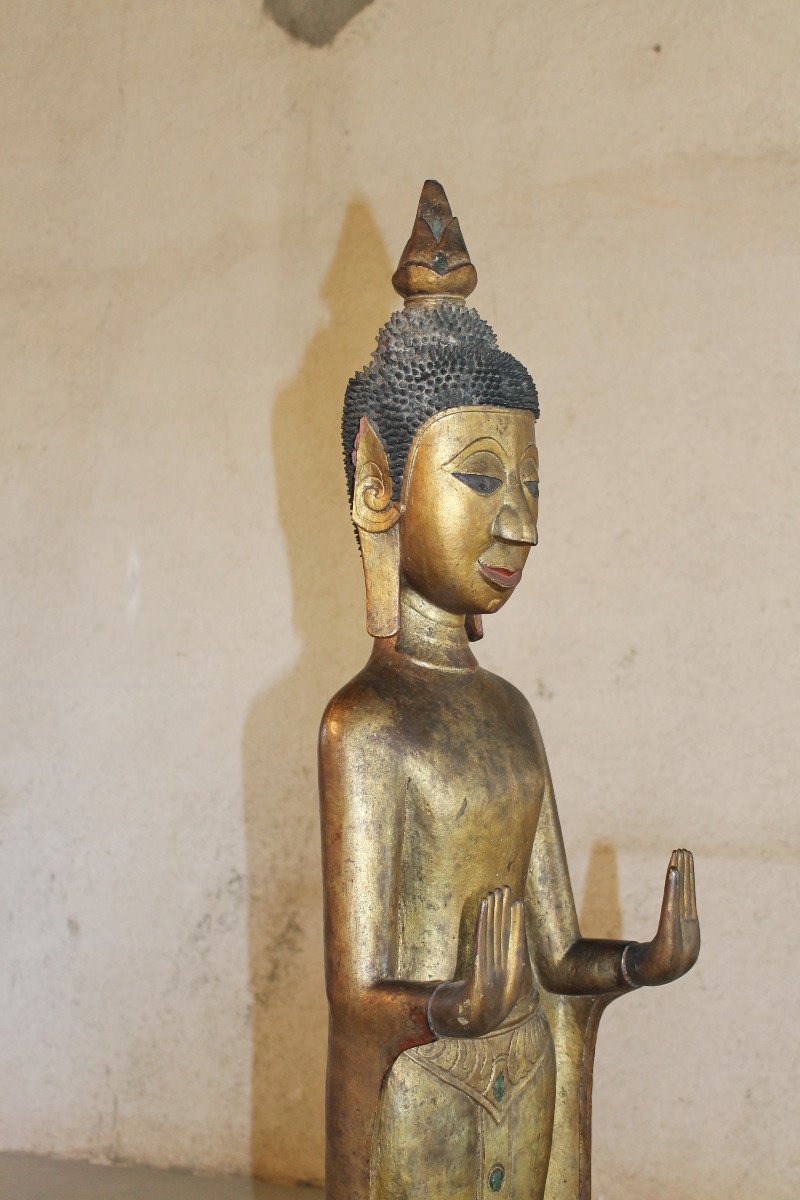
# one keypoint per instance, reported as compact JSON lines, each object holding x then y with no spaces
{"x":315,"y":22}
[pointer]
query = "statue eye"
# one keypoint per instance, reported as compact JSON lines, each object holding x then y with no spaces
{"x":533,"y":487}
{"x":485,"y":484}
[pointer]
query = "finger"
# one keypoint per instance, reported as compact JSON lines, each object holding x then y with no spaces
{"x":680,"y":863}
{"x":491,"y":952}
{"x":518,"y":949}
{"x":684,"y":886}
{"x":480,"y":940}
{"x":670,"y":903}
{"x":691,"y":910}
{"x":511,"y":939}
{"x":500,"y":948}
{"x":507,"y":908}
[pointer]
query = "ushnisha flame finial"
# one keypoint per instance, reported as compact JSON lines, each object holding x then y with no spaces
{"x":435,"y":266}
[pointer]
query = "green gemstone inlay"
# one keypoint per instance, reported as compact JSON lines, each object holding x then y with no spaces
{"x":496,"y":1177}
{"x":439,"y":263}
{"x":499,"y":1087}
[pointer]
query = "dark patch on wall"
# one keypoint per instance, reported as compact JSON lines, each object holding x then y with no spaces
{"x":315,"y":22}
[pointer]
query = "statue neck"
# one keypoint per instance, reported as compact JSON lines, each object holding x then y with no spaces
{"x":431,"y":636}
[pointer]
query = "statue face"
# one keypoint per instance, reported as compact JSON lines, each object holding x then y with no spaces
{"x":471,"y":504}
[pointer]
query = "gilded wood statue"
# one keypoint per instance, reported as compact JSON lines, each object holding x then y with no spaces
{"x":464,"y":1002}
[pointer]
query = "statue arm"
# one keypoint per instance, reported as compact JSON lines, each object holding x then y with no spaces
{"x":569,"y":964}
{"x":566,"y":963}
{"x":362,"y":829}
{"x":580,"y":976}
{"x":373,"y":1018}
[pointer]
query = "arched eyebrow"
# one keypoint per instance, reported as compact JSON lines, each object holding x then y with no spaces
{"x":486,"y":442}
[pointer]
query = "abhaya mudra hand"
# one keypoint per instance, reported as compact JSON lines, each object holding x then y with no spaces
{"x":499,"y":972}
{"x":674,"y":949}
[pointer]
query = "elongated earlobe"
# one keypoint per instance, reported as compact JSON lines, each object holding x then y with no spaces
{"x":380,"y":558}
{"x":376,"y":517}
{"x":474,"y":626}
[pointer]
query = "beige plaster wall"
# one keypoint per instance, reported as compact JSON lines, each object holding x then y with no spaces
{"x":199,"y":216}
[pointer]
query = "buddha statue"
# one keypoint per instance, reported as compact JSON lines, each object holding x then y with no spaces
{"x":464,"y":1001}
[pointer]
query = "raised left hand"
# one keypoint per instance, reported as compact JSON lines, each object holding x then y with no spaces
{"x":674,"y":949}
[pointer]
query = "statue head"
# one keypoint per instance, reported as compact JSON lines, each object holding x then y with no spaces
{"x":439,"y":442}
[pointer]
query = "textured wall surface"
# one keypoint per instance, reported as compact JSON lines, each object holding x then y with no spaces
{"x":199,"y":216}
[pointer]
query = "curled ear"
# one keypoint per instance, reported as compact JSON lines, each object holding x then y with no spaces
{"x":376,"y":515}
{"x":373,"y":511}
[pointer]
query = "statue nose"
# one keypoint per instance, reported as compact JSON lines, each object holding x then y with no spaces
{"x":515,"y":521}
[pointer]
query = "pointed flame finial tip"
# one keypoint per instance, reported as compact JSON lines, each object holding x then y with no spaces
{"x":435,"y":266}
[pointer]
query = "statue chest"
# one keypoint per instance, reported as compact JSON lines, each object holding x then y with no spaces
{"x":471,"y":793}
{"x":470,"y":801}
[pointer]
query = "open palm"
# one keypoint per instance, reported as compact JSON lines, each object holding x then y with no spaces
{"x":674,"y":949}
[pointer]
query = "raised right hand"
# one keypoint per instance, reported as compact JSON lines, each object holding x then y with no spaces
{"x":674,"y":949}
{"x":499,"y":971}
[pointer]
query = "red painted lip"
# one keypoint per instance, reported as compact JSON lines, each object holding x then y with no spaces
{"x":500,"y":575}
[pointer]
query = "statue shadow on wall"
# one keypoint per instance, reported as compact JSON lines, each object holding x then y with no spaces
{"x":601,"y":911}
{"x":281,"y":814}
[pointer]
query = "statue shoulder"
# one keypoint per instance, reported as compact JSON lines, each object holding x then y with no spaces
{"x":358,"y":765}
{"x":513,"y":697}
{"x":357,"y":712}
